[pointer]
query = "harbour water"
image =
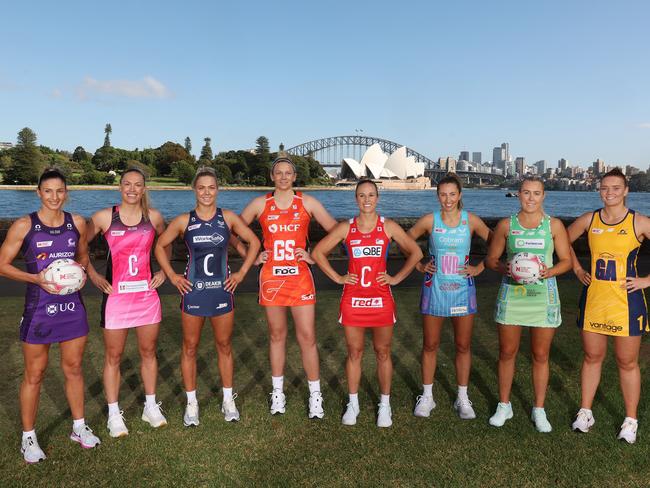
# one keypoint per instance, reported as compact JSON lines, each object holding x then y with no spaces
{"x":341,"y":204}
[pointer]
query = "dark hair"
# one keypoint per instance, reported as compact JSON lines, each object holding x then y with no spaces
{"x":618,"y":172}
{"x":527,"y":178}
{"x":144,"y":203}
{"x":51,"y":174}
{"x":452,"y":178}
{"x":205,"y":171}
{"x":363,"y":182}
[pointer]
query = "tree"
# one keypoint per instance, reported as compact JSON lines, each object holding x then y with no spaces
{"x":80,"y":155}
{"x":169,"y":153}
{"x":108,"y":130}
{"x":263,"y":151}
{"x":183,"y":171}
{"x":188,"y":145}
{"x":281,"y":147}
{"x":206,"y":151}
{"x":640,"y":182}
{"x":106,"y":158}
{"x":27,"y":159}
{"x":224,"y":175}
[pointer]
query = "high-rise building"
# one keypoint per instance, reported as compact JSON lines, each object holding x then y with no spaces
{"x":477,"y":158}
{"x":464,"y":156}
{"x":562,"y":164}
{"x":599,"y":167}
{"x":506,"y":151}
{"x":520,"y":166}
{"x":498,"y":157}
{"x":541,"y":166}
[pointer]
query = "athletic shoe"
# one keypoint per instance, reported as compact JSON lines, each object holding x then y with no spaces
{"x":384,"y":416}
{"x":31,"y":451}
{"x":503,"y":413}
{"x":278,"y":402}
{"x":316,"y":405}
{"x":350,"y":415}
{"x":191,"y":415}
{"x":538,"y":416}
{"x":424,"y":404}
{"x":464,"y":409}
{"x":153,"y":415}
{"x":229,"y":410}
{"x":116,"y":426}
{"x":628,"y":431}
{"x":86,"y":438}
{"x":584,"y":421}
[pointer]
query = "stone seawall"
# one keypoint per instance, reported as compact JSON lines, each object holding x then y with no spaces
{"x":99,"y":250}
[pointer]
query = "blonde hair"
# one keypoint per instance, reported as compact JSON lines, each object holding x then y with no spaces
{"x":144,"y":202}
{"x":204,"y":171}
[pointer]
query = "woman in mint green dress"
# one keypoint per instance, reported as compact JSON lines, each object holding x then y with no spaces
{"x":536,"y":305}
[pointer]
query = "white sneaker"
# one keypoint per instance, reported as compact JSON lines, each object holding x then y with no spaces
{"x":384,"y":416}
{"x":85,"y":437}
{"x":191,"y":415}
{"x":464,"y":409}
{"x":116,"y":426}
{"x":278,"y":402}
{"x":424,"y":404}
{"x":538,"y":416}
{"x":584,"y":421}
{"x":350,"y":415}
{"x":628,"y":431}
{"x":503,"y":413}
{"x":229,"y":410}
{"x":31,"y":451}
{"x":153,"y":415}
{"x":316,"y":405}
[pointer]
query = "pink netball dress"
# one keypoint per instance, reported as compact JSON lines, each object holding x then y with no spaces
{"x":128,"y":270}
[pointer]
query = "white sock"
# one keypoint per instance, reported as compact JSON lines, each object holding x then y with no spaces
{"x":191,"y":396}
{"x":385,"y":399}
{"x":630,"y":419}
{"x":29,"y":433}
{"x":227,"y":394}
{"x":354,"y":400}
{"x":314,"y":386}
{"x":587,"y":411}
{"x":462,"y":392}
{"x":427,"y":390}
{"x":78,"y":424}
{"x":113,"y":409}
{"x":538,"y":409}
{"x":278,"y":382}
{"x":150,"y":400}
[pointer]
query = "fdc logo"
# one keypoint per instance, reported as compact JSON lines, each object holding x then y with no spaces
{"x":285,"y":270}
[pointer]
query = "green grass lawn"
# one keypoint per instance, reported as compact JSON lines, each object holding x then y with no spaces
{"x":290,"y":450}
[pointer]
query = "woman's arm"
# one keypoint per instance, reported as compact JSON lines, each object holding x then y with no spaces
{"x":325,"y":246}
{"x":99,"y":222}
{"x":408,"y":246}
{"x":163,"y":245}
{"x":10,"y":249}
{"x":238,"y":225}
{"x":497,"y":247}
{"x":578,"y":227}
{"x":478,"y":227}
{"x":642,"y":228}
{"x":422,"y":227}
{"x":82,"y":246}
{"x":316,"y":210}
{"x":562,"y":249}
{"x":158,"y":223}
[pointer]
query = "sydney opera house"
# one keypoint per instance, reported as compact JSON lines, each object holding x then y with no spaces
{"x":378,"y":165}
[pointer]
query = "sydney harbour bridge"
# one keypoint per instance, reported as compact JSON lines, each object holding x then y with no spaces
{"x":330,"y":151}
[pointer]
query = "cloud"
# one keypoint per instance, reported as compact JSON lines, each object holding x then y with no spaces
{"x":148,"y":87}
{"x":644,"y":125}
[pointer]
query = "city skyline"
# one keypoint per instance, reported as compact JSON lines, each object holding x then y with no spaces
{"x":553,"y":86}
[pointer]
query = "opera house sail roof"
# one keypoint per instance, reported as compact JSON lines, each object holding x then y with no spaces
{"x":377,"y":164}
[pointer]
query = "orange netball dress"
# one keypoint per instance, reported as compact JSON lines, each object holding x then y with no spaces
{"x":285,"y":281}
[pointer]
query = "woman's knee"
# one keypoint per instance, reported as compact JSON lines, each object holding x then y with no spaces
{"x":462,"y":347}
{"x":355,"y":354}
{"x":430,"y":346}
{"x":224,"y":346}
{"x":34,"y":375}
{"x":382,"y":353}
{"x":507,"y":352}
{"x":540,"y":357}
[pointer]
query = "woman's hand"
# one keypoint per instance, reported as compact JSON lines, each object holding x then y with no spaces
{"x":583,"y":276}
{"x":99,"y":281}
{"x":232,"y":281}
{"x":427,"y":267}
{"x":182,"y":284}
{"x":469,"y":270}
{"x":348,"y":279}
{"x":48,"y":286}
{"x":157,"y":279}
{"x":261,"y":258}
{"x":634,"y":284}
{"x":302,"y":255}
{"x":384,"y":278}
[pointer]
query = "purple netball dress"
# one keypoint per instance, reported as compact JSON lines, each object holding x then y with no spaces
{"x":50,"y":318}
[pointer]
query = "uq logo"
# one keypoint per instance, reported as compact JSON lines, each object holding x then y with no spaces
{"x":605,"y":269}
{"x":449,"y":264}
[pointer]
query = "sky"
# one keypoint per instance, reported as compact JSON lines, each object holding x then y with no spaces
{"x":555,"y":79}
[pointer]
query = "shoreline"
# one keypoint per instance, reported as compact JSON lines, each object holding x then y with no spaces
{"x":221,"y":188}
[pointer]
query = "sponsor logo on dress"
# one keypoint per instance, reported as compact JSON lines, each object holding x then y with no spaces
{"x":71,"y":242}
{"x":622,"y":232}
{"x":215,"y":239}
{"x":516,"y":232}
{"x":530,"y":243}
{"x":449,"y":286}
{"x":40,"y":244}
{"x":37,"y":227}
{"x":285,"y":270}
{"x":221,"y":223}
{"x":366,"y":251}
{"x":42,"y":256}
{"x":296,"y":215}
{"x":208,"y":285}
{"x":374,"y":302}
{"x":222,"y":305}
{"x":272,"y":217}
{"x":355,"y":242}
{"x":192,"y":307}
{"x":273,"y":228}
{"x":132,"y":286}
{"x":309,"y":296}
{"x":610,"y":230}
{"x":60,"y":255}
{"x":457,"y":310}
{"x":379,"y":241}
{"x":609,"y":326}
{"x":54,"y":308}
{"x":193,"y":226}
{"x":117,"y":233}
{"x":132,"y":228}
{"x":69,"y":226}
{"x":597,"y":231}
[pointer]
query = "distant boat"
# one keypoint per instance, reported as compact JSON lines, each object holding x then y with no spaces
{"x":511,"y":194}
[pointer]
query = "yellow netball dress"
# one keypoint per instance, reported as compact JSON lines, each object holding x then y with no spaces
{"x":605,"y":306}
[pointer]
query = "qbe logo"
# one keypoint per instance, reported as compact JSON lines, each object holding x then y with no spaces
{"x":366,"y":251}
{"x":285,"y":270}
{"x":373,"y":302}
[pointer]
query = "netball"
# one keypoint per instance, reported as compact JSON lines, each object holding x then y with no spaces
{"x":67,"y":275}
{"x":525,"y":268}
